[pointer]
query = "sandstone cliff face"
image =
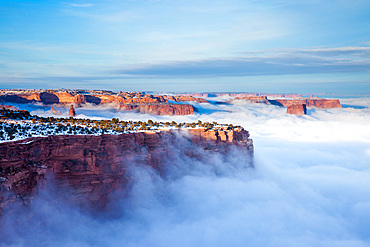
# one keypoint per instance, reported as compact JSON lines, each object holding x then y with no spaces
{"x":319,"y":103}
{"x":160,"y":109}
{"x":94,"y":166}
{"x":144,"y":103}
{"x":298,"y":109}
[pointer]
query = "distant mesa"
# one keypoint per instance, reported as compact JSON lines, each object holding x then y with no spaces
{"x":297,"y":109}
{"x":175,"y":104}
{"x":72,"y":112}
{"x":297,"y":106}
{"x":316,"y":102}
{"x":140,"y":102}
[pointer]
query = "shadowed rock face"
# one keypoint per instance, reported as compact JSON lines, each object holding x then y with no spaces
{"x":299,"y":109}
{"x":94,"y":166}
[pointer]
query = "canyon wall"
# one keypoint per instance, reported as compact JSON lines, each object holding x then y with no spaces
{"x":140,"y":102}
{"x":319,"y":103}
{"x":299,"y":109}
{"x":92,"y":167}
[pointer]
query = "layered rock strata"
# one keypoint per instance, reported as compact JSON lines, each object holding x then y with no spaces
{"x":319,"y":103}
{"x":298,"y":109}
{"x":146,"y":103}
{"x":92,"y":167}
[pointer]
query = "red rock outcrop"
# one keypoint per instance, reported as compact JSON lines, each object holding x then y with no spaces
{"x":56,"y":112}
{"x":72,"y":112}
{"x":254,"y":99}
{"x":160,"y":109}
{"x":146,"y":103}
{"x":319,"y":103}
{"x":298,"y":109}
{"x":94,"y":166}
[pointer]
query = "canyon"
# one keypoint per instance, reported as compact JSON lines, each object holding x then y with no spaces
{"x":140,"y":102}
{"x":92,"y":167}
{"x":157,"y":104}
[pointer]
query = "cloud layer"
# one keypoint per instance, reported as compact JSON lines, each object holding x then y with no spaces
{"x":277,"y":62}
{"x":309,"y":188}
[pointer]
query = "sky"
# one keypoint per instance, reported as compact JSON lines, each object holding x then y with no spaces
{"x":306,"y":46}
{"x":309,"y":187}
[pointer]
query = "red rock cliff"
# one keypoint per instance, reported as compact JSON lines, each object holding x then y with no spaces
{"x":299,"y":109}
{"x":319,"y":103}
{"x":94,"y":166}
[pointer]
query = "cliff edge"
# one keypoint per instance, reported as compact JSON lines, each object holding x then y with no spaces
{"x":94,"y":166}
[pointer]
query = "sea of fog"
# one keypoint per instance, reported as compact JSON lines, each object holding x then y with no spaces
{"x":310,"y":187}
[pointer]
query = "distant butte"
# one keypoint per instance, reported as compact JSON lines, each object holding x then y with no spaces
{"x":297,"y":109}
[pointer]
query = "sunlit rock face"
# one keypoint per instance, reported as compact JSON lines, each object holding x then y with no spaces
{"x":297,"y":109}
{"x":319,"y":103}
{"x":72,"y":112}
{"x":92,"y":167}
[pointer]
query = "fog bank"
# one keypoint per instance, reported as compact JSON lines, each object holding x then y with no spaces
{"x":310,"y":187}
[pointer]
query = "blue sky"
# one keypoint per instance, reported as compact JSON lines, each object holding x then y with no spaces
{"x":177,"y":45}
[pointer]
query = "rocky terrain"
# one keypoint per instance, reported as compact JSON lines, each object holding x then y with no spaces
{"x":140,"y":102}
{"x":155,"y":104}
{"x":297,"y":109}
{"x":296,"y":106}
{"x":20,"y":124}
{"x":314,"y":102}
{"x":91,"y":167}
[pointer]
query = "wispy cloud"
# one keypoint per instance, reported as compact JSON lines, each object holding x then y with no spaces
{"x":83,"y":5}
{"x":277,"y":62}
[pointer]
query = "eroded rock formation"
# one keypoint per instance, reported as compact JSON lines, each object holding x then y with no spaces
{"x":94,"y":166}
{"x":298,"y":109}
{"x":147,"y":103}
{"x":319,"y":103}
{"x":72,"y":112}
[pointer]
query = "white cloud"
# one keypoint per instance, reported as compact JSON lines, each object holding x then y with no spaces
{"x":81,"y":5}
{"x":309,"y":188}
